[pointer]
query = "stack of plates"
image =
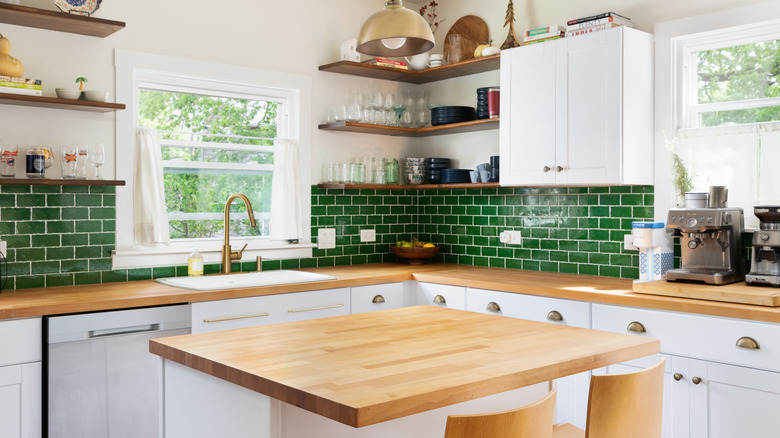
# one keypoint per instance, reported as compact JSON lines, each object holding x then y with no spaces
{"x":443,"y":115}
{"x":434,"y":168}
{"x":454,"y":176}
{"x":482,"y":103}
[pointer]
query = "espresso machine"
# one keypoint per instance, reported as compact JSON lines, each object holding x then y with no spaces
{"x":710,"y":241}
{"x":765,"y":260}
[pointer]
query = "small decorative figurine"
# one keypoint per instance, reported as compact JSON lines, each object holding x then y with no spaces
{"x":511,"y":39}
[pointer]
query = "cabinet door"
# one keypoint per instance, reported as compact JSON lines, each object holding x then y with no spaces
{"x":377,"y":297}
{"x":20,"y":401}
{"x":528,"y":119}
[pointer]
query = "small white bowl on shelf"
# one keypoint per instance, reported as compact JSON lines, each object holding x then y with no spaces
{"x":96,"y":96}
{"x":68,"y":93}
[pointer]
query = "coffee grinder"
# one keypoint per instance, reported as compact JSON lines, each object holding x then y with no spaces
{"x":765,"y":260}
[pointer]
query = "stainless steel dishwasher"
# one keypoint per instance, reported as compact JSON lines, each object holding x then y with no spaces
{"x":102,"y":380}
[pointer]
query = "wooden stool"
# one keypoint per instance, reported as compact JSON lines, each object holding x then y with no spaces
{"x":622,"y":405}
{"x":531,"y":421}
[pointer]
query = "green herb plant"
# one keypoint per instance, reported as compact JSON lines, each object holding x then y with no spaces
{"x":681,"y":177}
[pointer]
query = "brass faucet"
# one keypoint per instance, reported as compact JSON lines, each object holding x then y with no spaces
{"x":227,"y":255}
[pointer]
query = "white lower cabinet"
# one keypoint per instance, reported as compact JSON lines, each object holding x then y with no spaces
{"x":20,"y":378}
{"x":380,"y":296}
{"x":442,"y":295}
{"x":572,"y":398}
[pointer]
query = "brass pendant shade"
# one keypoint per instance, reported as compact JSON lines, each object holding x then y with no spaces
{"x":395,"y":31}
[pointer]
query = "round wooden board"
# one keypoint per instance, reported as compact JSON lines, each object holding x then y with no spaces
{"x":473,"y":31}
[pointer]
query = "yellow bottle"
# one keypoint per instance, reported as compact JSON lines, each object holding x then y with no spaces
{"x":195,"y":263}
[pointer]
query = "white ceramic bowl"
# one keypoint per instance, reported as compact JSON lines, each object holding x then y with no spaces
{"x":96,"y":96}
{"x":68,"y":93}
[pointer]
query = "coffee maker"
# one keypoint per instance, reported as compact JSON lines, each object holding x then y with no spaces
{"x":765,"y":260}
{"x":710,"y":241}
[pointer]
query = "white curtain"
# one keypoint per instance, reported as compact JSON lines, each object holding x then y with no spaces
{"x":286,"y":212}
{"x":150,"y":218}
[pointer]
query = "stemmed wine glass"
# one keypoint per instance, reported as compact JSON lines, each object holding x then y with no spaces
{"x":399,"y":106}
{"x":97,"y":156}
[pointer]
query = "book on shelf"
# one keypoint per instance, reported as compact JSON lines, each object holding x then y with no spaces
{"x":589,"y":30}
{"x":556,"y":37}
{"x":385,"y":62}
{"x":548,"y":29}
{"x":26,"y":85}
{"x":20,"y":80}
{"x":607,"y":20}
{"x":595,"y":17}
{"x":543,"y":36}
{"x":24,"y":91}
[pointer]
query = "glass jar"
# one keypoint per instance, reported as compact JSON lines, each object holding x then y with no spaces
{"x":392,"y":172}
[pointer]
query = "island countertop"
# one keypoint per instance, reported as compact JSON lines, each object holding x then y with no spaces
{"x":367,"y":368}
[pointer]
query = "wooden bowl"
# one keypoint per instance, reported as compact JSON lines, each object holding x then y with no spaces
{"x":415,"y":256}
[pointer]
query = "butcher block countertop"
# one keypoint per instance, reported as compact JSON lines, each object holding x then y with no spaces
{"x":109,"y":296}
{"x":366,"y":368}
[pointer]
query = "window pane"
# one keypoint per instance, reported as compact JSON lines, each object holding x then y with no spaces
{"x":748,"y":71}
{"x":751,"y":115}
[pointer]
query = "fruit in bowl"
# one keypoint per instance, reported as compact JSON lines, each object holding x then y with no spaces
{"x":415,"y":252}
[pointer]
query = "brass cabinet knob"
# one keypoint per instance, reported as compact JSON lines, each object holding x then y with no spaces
{"x":558,"y":168}
{"x":677,"y":376}
{"x":547,"y":169}
{"x":438,"y":299}
{"x":555,"y":315}
{"x":636,"y":327}
{"x":748,"y":342}
{"x":493,"y":307}
{"x":378,"y":299}
{"x":696,"y":380}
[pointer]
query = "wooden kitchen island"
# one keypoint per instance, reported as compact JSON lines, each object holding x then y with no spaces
{"x":381,"y":374}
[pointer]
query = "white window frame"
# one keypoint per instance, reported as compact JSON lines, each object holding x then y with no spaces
{"x":136,"y":70}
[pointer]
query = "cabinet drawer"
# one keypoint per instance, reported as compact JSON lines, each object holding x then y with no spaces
{"x":20,"y":341}
{"x":377,"y":297}
{"x":212,"y":316}
{"x":702,"y":337}
{"x":441,"y":295}
{"x":315,"y":304}
{"x":534,"y":308}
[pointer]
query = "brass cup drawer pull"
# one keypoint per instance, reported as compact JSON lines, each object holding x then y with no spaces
{"x":696,"y":380}
{"x":636,"y":327}
{"x":438,"y":299}
{"x":748,"y":343}
{"x":493,"y":307}
{"x":555,"y":315}
{"x":259,"y":315}
{"x":677,"y":376}
{"x":379,"y":299}
{"x":310,"y":309}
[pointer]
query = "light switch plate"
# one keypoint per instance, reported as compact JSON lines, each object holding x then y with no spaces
{"x":368,"y":235}
{"x":4,"y":248}
{"x":511,"y":238}
{"x":326,"y":238}
{"x":628,"y":243}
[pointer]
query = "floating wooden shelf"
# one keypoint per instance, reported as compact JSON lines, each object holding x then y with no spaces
{"x":58,"y":21}
{"x":449,"y":71}
{"x":409,"y":186}
{"x":59,"y":182}
{"x":55,"y":102}
{"x":452,"y":128}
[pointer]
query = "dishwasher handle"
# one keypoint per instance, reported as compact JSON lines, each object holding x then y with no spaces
{"x":117,"y":331}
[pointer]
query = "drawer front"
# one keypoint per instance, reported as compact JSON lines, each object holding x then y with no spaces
{"x":210,"y":316}
{"x":315,"y":304}
{"x":377,"y":297}
{"x":441,"y":295}
{"x":702,"y":337}
{"x":531,"y":307}
{"x":20,"y":341}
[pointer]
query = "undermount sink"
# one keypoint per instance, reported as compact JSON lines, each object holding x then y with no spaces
{"x":249,"y":279}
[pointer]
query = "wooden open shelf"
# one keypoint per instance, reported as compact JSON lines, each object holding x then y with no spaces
{"x":452,"y":128}
{"x":449,"y":71}
{"x":59,"y":182}
{"x":55,"y":102}
{"x":409,"y":186}
{"x":58,"y":21}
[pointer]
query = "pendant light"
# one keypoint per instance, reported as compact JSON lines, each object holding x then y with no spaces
{"x":395,"y":31}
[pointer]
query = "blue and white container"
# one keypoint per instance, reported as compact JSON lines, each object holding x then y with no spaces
{"x":656,"y":255}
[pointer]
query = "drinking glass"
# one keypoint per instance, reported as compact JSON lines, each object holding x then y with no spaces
{"x":378,"y":105}
{"x":97,"y":156}
{"x":389,"y":114}
{"x":69,"y":156}
{"x":8,"y":158}
{"x":455,"y":54}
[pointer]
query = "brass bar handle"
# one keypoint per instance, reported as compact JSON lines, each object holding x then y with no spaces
{"x":748,"y":343}
{"x":555,"y":315}
{"x":378,"y":299}
{"x":636,"y":327}
{"x":677,"y":376}
{"x":438,"y":299}
{"x":493,"y":307}
{"x":309,"y":309}
{"x":259,"y":315}
{"x":696,"y":380}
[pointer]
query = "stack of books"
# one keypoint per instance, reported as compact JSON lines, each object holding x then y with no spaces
{"x":543,"y":34}
{"x":11,"y":85}
{"x":595,"y":23}
{"x":385,"y":62}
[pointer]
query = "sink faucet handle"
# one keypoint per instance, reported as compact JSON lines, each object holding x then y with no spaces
{"x":241,"y":251}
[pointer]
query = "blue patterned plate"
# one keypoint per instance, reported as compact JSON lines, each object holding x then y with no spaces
{"x":80,"y":7}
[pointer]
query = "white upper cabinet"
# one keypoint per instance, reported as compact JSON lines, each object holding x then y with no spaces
{"x":578,"y":111}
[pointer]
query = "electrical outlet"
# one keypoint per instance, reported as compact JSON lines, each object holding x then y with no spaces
{"x":4,"y":248}
{"x":628,"y":243}
{"x":326,"y":238}
{"x":511,"y":238}
{"x":368,"y":235}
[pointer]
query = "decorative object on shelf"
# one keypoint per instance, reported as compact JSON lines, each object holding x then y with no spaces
{"x":473,"y":31}
{"x":511,"y":38}
{"x":415,"y":252}
{"x":68,"y":93}
{"x":78,"y":7}
{"x":348,"y":51}
{"x":429,"y":13}
{"x":9,"y":66}
{"x":395,"y":31}
{"x":95,"y":96}
{"x":80,"y":81}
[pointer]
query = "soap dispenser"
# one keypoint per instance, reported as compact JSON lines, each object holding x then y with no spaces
{"x":195,"y":263}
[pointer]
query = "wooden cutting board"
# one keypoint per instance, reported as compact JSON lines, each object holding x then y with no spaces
{"x":730,"y":293}
{"x":473,"y":31}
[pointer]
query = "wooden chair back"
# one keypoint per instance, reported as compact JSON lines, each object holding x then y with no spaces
{"x":626,"y":405}
{"x":531,"y":421}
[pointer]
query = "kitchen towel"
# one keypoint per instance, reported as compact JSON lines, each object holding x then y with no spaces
{"x":150,"y":216}
{"x":286,"y":212}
